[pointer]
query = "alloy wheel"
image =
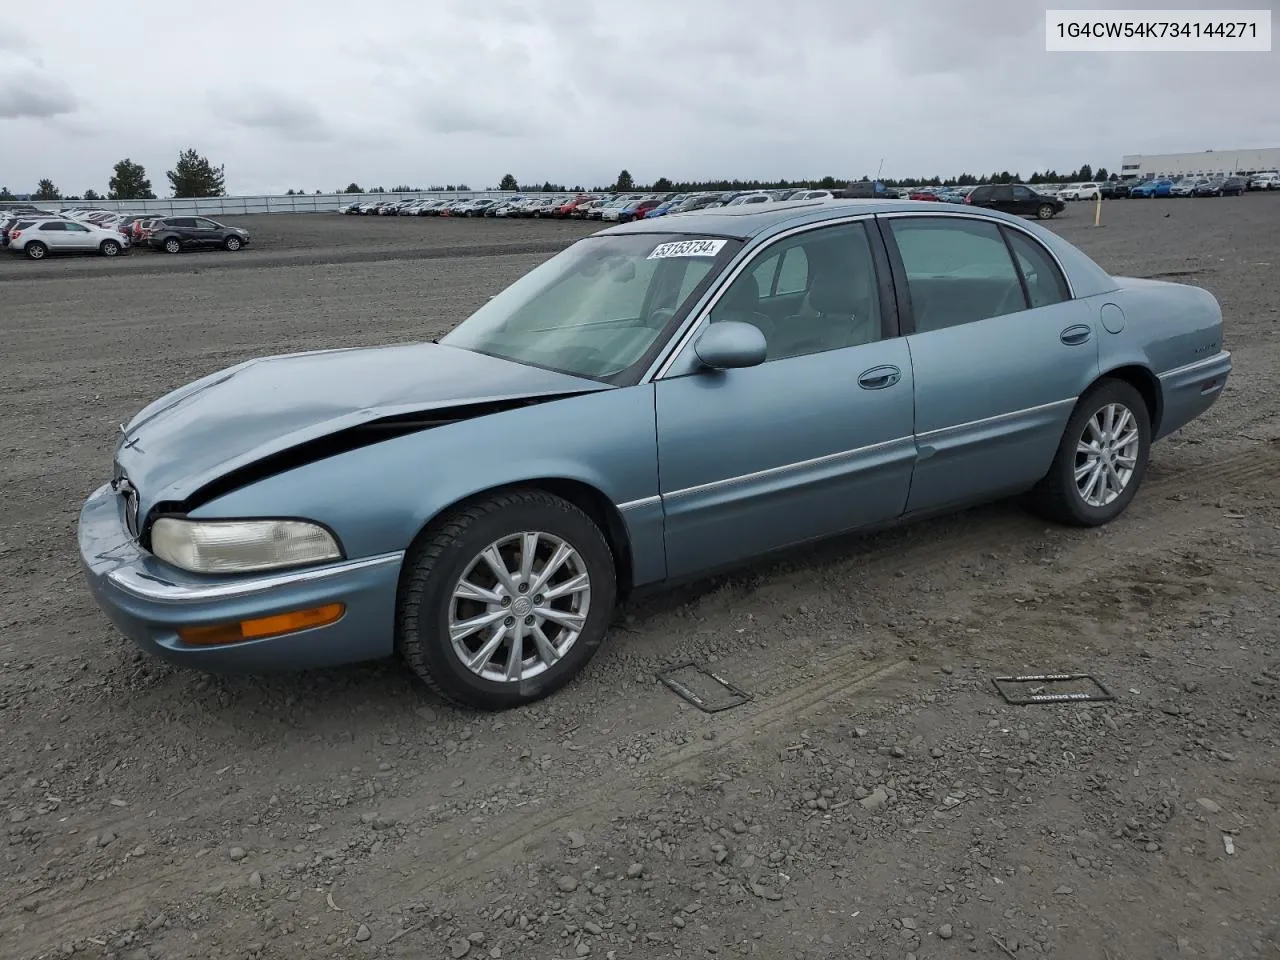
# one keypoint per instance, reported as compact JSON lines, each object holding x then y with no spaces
{"x":519,"y":607}
{"x":1107,"y":454}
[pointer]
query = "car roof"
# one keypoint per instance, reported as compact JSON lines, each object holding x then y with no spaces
{"x":746,"y":221}
{"x":755,"y":223}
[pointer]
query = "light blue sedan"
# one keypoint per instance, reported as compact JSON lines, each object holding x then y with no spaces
{"x":659,"y":401}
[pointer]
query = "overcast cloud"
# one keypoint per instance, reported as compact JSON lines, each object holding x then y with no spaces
{"x":313,"y":94}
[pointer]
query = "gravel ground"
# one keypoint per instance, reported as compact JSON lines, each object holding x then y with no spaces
{"x":876,"y":798}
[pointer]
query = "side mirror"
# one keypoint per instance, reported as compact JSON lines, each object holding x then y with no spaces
{"x":731,"y":344}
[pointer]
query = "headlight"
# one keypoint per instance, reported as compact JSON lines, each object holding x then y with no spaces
{"x":241,"y":546}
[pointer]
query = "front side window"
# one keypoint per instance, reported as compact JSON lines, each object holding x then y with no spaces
{"x":810,"y":293}
{"x":598,"y":308}
{"x":958,"y":271}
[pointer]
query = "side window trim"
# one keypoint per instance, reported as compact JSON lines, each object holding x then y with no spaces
{"x":1017,"y":267}
{"x":901,"y":293}
{"x":1060,"y":280}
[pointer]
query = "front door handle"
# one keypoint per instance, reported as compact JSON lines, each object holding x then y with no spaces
{"x":1076,"y":335}
{"x":877,"y":378}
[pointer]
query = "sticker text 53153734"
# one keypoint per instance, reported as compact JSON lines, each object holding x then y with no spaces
{"x":686,"y":248}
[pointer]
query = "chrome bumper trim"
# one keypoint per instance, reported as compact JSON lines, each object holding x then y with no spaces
{"x":144,"y":587}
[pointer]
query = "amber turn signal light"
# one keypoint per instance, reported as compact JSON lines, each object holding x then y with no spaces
{"x":263,"y":627}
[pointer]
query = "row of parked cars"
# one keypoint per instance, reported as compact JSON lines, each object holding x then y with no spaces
{"x":1191,"y":185}
{"x":37,"y":234}
{"x":614,"y":207}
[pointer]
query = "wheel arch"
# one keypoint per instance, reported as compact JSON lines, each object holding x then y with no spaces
{"x":587,"y":498}
{"x":1145,"y":382}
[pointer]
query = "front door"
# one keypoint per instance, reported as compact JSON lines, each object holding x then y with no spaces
{"x":1025,"y":201}
{"x":79,"y":237}
{"x":814,"y":441}
{"x":1000,"y":354}
{"x":206,"y":233}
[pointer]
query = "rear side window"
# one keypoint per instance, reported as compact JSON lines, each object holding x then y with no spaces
{"x":53,"y":225}
{"x":958,"y":271}
{"x":1045,"y":283}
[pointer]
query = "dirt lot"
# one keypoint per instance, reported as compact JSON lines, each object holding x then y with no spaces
{"x":875,"y":799}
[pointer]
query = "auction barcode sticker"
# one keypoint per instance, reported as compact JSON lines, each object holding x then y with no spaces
{"x":1158,"y":31}
{"x":686,"y":248}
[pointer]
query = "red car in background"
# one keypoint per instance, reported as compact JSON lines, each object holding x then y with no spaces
{"x":566,"y":209}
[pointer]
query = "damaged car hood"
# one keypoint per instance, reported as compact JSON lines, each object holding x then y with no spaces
{"x":226,"y":422}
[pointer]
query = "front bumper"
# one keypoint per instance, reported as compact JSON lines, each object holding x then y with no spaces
{"x":149,"y":600}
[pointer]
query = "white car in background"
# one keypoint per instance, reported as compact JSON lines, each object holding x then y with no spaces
{"x":38,"y":238}
{"x":613,"y":211}
{"x":751,"y":198}
{"x":1080,"y":191}
{"x":1265,"y":181}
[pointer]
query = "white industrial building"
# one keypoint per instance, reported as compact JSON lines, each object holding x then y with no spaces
{"x":1205,"y":162}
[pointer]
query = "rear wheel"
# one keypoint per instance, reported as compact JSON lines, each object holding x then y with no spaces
{"x":503,"y":601}
{"x":1044,"y":211}
{"x":173,"y":245}
{"x":36,"y":250}
{"x":1101,"y":459}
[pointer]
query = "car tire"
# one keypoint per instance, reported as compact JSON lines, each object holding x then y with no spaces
{"x":233,"y":243}
{"x":35,"y":250}
{"x":1044,"y":212}
{"x":172,"y":245}
{"x":431,"y":601}
{"x":109,"y":248}
{"x":1059,"y":495}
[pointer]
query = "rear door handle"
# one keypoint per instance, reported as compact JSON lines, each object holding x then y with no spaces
{"x":877,"y":378}
{"x":1076,"y":335}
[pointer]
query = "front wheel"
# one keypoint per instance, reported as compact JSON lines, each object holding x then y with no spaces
{"x":1101,"y":459}
{"x":505,"y":600}
{"x":233,"y":243}
{"x":1044,"y":212}
{"x":109,"y":248}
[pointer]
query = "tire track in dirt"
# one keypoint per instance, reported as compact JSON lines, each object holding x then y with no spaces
{"x":459,"y":859}
{"x":851,"y":671}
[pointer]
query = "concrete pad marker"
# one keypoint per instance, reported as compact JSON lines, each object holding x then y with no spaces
{"x":707,"y":691}
{"x":1032,"y":688}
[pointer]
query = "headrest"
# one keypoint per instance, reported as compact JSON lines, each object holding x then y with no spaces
{"x":836,"y":292}
{"x":743,"y":296}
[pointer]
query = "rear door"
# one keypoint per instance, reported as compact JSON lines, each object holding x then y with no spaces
{"x":1002,"y":198}
{"x":52,"y":233}
{"x":999,"y":352}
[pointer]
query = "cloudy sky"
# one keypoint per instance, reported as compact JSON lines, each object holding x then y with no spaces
{"x":313,"y":94}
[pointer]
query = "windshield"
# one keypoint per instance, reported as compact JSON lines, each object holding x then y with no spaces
{"x":598,"y":308}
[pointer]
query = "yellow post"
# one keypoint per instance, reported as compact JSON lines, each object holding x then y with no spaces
{"x":1097,"y":215}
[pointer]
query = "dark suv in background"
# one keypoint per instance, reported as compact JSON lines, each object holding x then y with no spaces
{"x":1015,"y":198}
{"x":175,"y":234}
